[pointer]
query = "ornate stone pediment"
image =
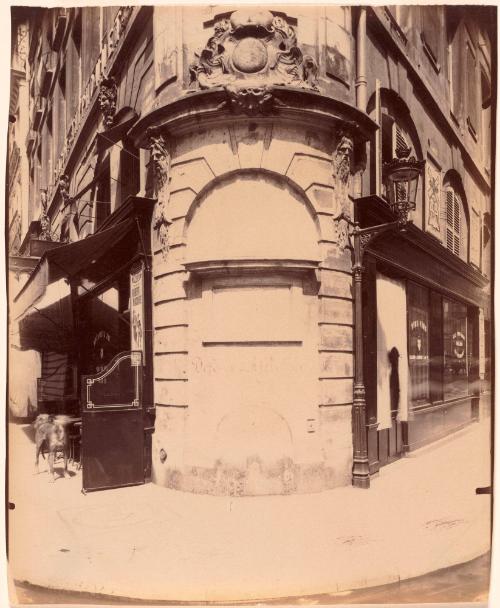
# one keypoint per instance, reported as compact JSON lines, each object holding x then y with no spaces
{"x":253,"y":49}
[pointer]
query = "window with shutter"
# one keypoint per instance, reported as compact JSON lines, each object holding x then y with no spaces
{"x":472,"y":90}
{"x":453,"y":221}
{"x":431,"y":32}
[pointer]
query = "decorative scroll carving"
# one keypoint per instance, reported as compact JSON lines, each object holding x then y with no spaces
{"x":108,"y":92}
{"x":161,"y":158}
{"x":341,"y":234}
{"x":251,"y":50}
{"x":433,"y":194}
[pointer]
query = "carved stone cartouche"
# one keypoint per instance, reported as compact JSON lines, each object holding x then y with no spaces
{"x":247,"y":54}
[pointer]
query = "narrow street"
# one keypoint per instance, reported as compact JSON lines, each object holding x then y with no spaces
{"x":310,"y":548}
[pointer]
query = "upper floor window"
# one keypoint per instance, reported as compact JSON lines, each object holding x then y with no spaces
{"x":472,"y":89}
{"x":456,"y":223}
{"x":431,"y":33}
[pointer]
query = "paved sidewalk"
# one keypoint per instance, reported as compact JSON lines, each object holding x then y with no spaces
{"x":421,"y":514}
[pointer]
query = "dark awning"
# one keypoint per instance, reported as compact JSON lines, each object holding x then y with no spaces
{"x":45,"y":298}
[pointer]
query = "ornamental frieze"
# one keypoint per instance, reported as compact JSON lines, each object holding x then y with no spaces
{"x":253,"y":49}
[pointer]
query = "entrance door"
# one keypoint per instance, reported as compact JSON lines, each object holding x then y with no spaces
{"x":112,"y":425}
{"x":392,"y":367}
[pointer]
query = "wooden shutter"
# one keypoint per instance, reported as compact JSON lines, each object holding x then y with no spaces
{"x":453,"y":221}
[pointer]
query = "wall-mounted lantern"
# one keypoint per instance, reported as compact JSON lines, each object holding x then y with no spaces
{"x":401,"y":179}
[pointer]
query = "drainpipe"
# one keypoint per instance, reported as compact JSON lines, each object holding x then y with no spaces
{"x":361,"y":61}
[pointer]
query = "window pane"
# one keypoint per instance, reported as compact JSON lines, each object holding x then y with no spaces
{"x":455,"y":349}
{"x":418,"y":342}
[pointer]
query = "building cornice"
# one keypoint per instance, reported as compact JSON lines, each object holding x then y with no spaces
{"x":284,"y":102}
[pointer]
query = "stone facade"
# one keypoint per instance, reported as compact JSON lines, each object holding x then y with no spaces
{"x":251,"y":130}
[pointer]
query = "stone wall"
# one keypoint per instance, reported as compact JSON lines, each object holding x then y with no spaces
{"x":300,"y":160}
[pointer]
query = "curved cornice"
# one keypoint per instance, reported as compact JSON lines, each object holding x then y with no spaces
{"x":290,"y":103}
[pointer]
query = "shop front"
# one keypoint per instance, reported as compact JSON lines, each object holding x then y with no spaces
{"x":422,"y":344}
{"x":86,"y":309}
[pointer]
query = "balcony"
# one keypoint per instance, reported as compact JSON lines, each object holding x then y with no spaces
{"x":60,"y":20}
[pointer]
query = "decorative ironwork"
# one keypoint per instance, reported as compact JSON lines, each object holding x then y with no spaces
{"x":251,"y":50}
{"x":108,"y":92}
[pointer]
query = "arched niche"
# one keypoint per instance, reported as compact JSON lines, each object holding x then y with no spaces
{"x":251,"y":216}
{"x":397,"y":130}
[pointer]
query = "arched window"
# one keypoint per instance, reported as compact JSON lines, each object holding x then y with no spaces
{"x":457,"y":229}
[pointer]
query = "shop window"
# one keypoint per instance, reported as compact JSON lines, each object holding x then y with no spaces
{"x":456,"y":368}
{"x":418,"y":342}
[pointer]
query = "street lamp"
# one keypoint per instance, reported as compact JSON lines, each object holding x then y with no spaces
{"x":401,"y":179}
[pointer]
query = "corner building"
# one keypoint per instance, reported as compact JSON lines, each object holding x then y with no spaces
{"x":192,"y":164}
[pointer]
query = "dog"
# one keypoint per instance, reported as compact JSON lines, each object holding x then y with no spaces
{"x":51,"y":435}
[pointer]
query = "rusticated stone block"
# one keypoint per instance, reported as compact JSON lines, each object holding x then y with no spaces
{"x":335,"y":391}
{"x":170,"y":339}
{"x":336,"y":365}
{"x":170,"y":286}
{"x":335,"y":337}
{"x":172,"y":366}
{"x":333,"y":310}
{"x":170,"y":313}
{"x":335,"y":284}
{"x":170,"y":392}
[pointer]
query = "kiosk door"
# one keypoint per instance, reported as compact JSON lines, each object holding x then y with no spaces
{"x":112,"y":424}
